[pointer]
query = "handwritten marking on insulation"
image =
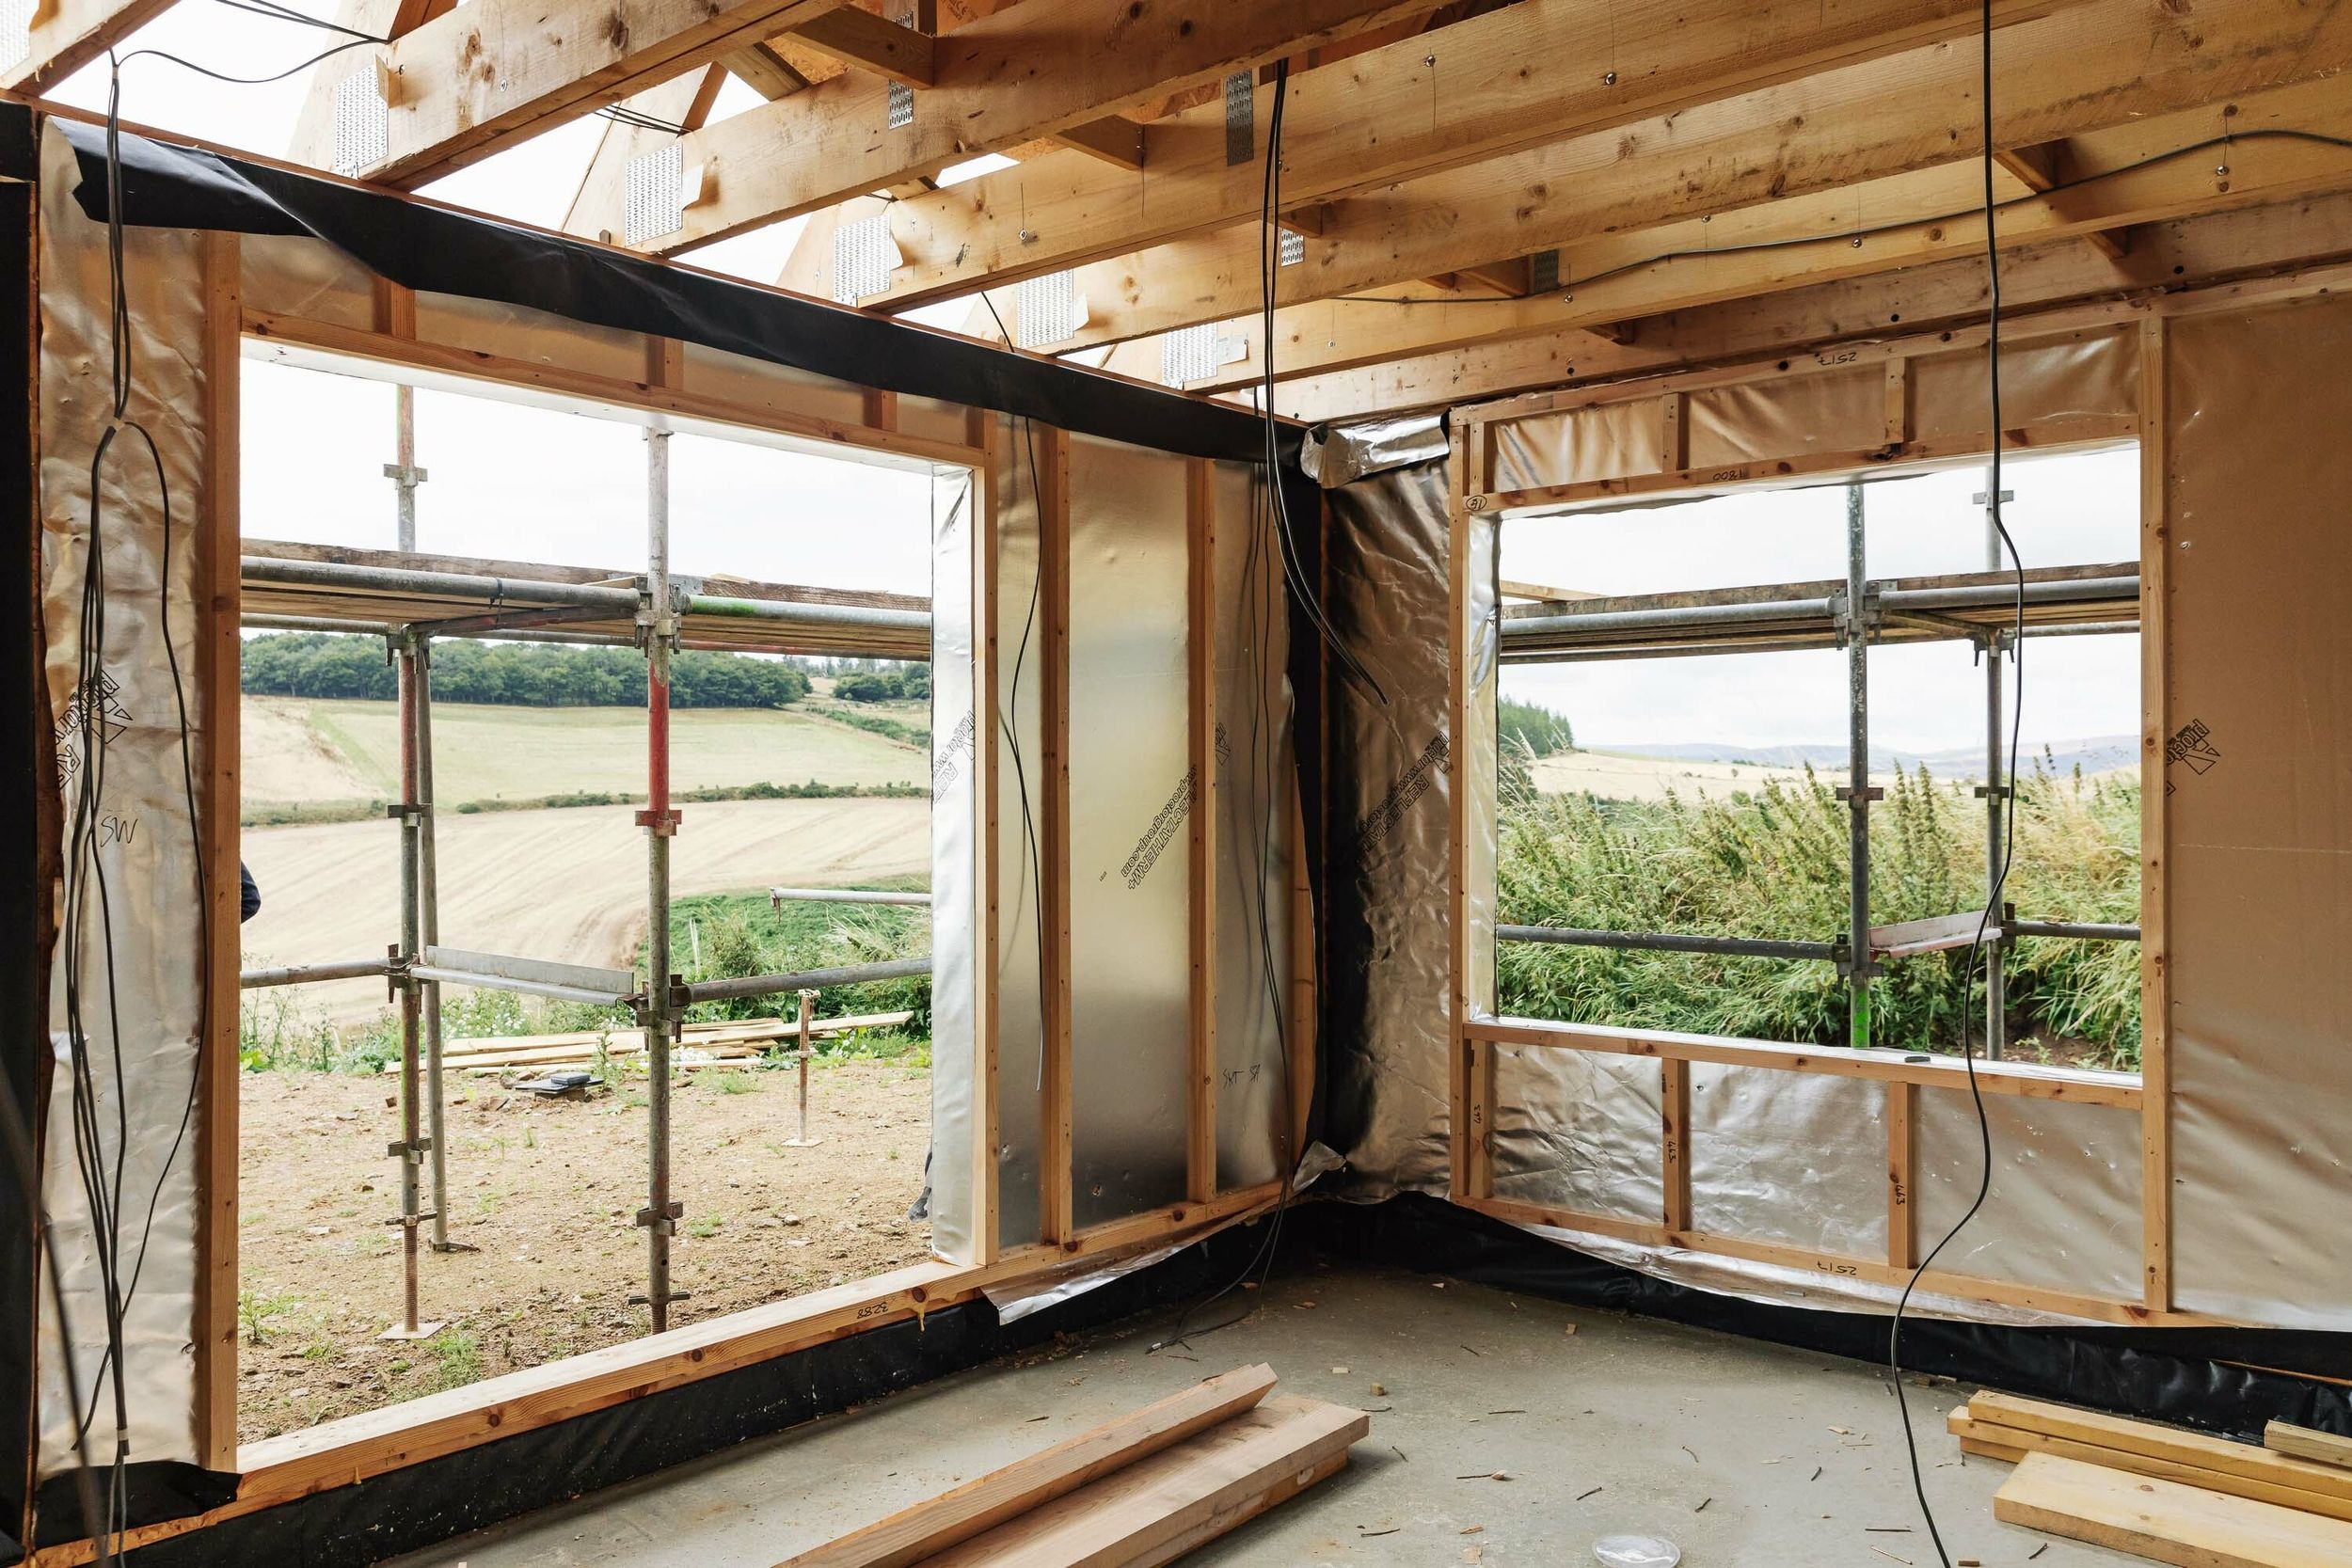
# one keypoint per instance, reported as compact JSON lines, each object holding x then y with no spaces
{"x":1162,"y":832}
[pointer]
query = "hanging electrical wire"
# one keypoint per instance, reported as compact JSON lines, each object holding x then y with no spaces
{"x":2008,"y":807}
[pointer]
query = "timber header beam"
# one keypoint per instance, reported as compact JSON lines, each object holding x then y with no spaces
{"x":1028,"y":73}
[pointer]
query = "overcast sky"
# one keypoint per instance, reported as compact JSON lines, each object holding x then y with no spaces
{"x":2074,"y":508}
{"x":527,"y":484}
{"x":506,"y":480}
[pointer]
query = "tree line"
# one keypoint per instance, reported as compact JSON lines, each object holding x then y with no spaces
{"x":523,"y":674}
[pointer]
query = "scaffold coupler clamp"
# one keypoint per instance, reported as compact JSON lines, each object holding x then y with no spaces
{"x":1841,"y":953}
{"x":396,"y":975}
{"x":666,"y":1221}
{"x":661,"y":824}
{"x":1852,"y":623}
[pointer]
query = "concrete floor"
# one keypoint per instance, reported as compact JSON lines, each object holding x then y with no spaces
{"x":1744,"y":1453}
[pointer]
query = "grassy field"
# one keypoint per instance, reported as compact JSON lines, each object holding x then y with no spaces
{"x":1771,"y":863}
{"x":315,"y":752}
{"x":567,"y":884}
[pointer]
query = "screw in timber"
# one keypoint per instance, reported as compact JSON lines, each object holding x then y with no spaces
{"x":1608,"y":78}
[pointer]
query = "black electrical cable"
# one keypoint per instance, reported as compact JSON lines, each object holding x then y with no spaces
{"x":1269,"y":262}
{"x":1267,"y":514}
{"x":1008,"y":710}
{"x":287,"y":13}
{"x":621,"y":113}
{"x":2009,"y":809}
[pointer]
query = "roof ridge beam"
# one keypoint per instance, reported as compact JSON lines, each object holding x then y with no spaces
{"x":1025,"y":74}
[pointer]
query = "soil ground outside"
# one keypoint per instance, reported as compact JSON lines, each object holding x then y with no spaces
{"x":548,"y":1190}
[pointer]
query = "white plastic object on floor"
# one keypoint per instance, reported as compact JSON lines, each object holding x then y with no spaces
{"x":1636,"y":1551}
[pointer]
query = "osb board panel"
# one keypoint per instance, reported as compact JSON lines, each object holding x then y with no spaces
{"x":2260,"y":565}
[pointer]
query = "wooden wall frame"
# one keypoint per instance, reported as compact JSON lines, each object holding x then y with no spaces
{"x":1476,"y":1035}
{"x":343,"y":1452}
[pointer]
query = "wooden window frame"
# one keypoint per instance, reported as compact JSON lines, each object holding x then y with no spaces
{"x":343,"y":1452}
{"x":1476,"y":1035}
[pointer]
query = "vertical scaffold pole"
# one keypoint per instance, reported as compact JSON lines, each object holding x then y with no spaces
{"x":405,"y":476}
{"x":808,"y":1038}
{"x":661,"y":1212}
{"x":429,"y":927}
{"x":1995,"y":792}
{"x":1858,"y":793}
{"x":409,"y":1150}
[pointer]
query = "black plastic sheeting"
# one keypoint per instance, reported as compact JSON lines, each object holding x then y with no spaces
{"x":2182,"y":1376}
{"x":435,"y":250}
{"x":2228,"y":1381}
{"x":27,"y":769}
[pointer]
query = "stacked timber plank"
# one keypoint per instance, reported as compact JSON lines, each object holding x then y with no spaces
{"x":2168,"y":1494}
{"x":1134,"y":1493}
{"x":706,"y":1044}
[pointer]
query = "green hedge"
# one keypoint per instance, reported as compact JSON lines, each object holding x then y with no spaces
{"x":523,"y":674}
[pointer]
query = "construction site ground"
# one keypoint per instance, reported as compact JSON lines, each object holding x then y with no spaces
{"x":546,"y":1192}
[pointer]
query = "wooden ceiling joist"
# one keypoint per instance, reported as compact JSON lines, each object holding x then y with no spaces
{"x":493,"y":72}
{"x":866,"y":40}
{"x":2153,"y":171}
{"x":2187,"y":252}
{"x":66,"y":35}
{"x":1030,"y":71}
{"x":1508,"y":80}
{"x":1908,"y":113}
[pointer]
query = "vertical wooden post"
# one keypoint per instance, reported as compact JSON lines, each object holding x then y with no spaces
{"x":1053,"y":486}
{"x":1902,"y":1166}
{"x":216,"y":591}
{"x":395,"y":308}
{"x":1201,"y":743}
{"x":666,"y":363}
{"x":1673,"y":435}
{"x":1304,"y":989}
{"x":1674,"y":1105}
{"x":1898,"y":401}
{"x":2156,"y":1018}
{"x":1469,"y":1121}
{"x":980,"y":431}
{"x":881,"y":409}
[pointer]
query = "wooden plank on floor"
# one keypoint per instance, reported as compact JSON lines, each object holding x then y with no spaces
{"x":2175,"y":1444}
{"x":932,"y":1526}
{"x":2165,"y":1521}
{"x":2008,"y":1443}
{"x":2323,"y":1448}
{"x":1156,"y":1510}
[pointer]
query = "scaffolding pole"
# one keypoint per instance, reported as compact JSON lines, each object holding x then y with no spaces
{"x":657,"y":619}
{"x":412,"y":1143}
{"x":1854,"y":617}
{"x":429,"y":924}
{"x":1995,"y":792}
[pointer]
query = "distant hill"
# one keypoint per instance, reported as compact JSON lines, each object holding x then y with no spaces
{"x":2092,"y":753}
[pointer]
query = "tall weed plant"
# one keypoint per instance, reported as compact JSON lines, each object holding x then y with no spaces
{"x":1771,"y":863}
